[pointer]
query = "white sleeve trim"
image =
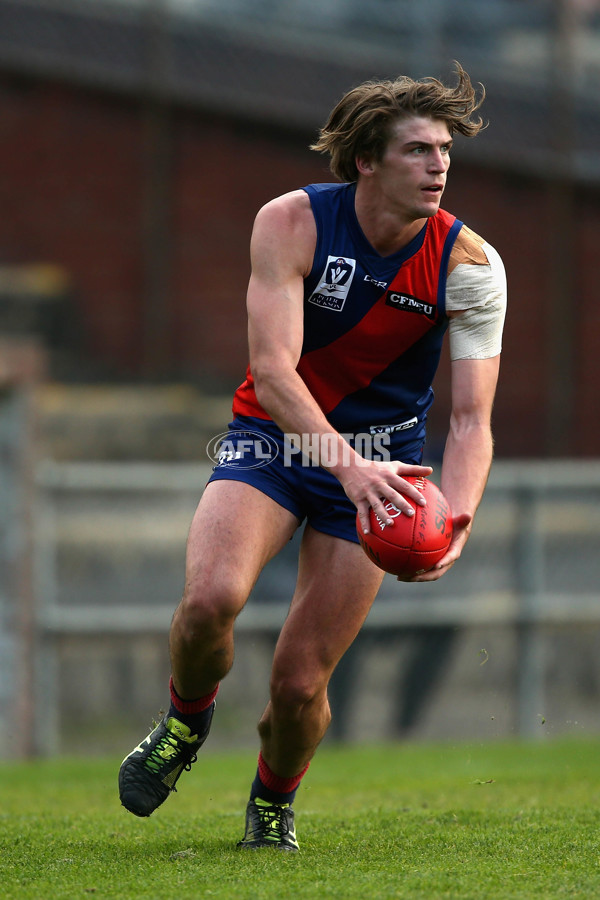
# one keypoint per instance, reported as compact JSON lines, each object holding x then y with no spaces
{"x":476,"y":306}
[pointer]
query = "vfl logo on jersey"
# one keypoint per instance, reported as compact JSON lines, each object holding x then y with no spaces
{"x":410,"y":304}
{"x":334,"y":284}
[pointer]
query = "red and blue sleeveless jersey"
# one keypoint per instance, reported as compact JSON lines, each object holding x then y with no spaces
{"x":373,"y":325}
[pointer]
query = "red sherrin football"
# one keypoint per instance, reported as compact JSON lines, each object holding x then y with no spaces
{"x":413,"y":544}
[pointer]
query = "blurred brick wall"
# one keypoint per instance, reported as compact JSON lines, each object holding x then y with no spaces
{"x":72,"y":169}
{"x":71,"y":194}
{"x":223,"y":175}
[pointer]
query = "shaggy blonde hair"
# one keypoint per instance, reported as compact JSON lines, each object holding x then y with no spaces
{"x":361,"y":123}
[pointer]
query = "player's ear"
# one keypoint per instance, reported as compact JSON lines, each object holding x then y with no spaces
{"x":364,"y":165}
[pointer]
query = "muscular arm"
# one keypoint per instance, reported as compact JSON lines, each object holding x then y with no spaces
{"x":282,"y":245}
{"x":469,"y":450}
{"x":282,"y":250}
{"x":476,"y":303}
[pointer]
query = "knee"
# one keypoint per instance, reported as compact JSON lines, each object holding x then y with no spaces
{"x":292,"y":691}
{"x":210,"y":604}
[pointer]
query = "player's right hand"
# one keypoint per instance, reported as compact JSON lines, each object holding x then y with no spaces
{"x":373,"y":483}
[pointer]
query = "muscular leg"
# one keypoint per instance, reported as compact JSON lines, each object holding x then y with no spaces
{"x":234,"y":533}
{"x":336,"y":587}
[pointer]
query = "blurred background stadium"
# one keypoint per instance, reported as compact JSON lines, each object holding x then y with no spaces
{"x":137,"y":140}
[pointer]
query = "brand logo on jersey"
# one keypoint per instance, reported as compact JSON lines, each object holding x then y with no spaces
{"x":410,"y":304}
{"x":379,"y":284}
{"x":334,"y":284}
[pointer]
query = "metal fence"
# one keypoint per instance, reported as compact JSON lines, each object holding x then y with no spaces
{"x":110,"y":542}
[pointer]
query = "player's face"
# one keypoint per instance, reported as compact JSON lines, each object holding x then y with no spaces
{"x":412,"y":173}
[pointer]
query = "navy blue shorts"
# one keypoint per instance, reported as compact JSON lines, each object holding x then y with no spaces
{"x":257,"y":452}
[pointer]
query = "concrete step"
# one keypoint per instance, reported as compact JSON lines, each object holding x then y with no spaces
{"x":129,"y":422}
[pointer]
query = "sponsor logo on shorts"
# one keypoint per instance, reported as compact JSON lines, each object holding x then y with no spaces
{"x":334,"y":284}
{"x":241,"y":450}
{"x":390,"y":429}
{"x":407,"y":302}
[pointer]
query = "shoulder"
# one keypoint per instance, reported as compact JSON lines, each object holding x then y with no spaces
{"x":469,"y":250}
{"x":290,"y":212}
{"x":475,"y":298}
{"x":285,"y":229}
{"x":476,"y":273}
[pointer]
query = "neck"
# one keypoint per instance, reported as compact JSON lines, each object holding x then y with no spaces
{"x":386,"y":231}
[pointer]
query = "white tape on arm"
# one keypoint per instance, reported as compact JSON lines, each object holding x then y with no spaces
{"x":476,"y":305}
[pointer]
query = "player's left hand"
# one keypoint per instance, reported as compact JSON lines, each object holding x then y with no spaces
{"x":461,"y":529}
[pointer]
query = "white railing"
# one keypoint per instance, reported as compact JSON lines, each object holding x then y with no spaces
{"x":532,"y":561}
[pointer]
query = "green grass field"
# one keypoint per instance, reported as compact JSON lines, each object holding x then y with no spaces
{"x":416,"y":821}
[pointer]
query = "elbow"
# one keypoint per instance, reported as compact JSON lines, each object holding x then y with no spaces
{"x":267,"y":377}
{"x":274,"y":375}
{"x":264,"y":395}
{"x":471,"y":430}
{"x":462,"y":428}
{"x":474,"y":441}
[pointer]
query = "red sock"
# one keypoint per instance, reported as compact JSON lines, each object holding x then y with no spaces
{"x":191,"y":707}
{"x":196,"y":714}
{"x":275,"y":788}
